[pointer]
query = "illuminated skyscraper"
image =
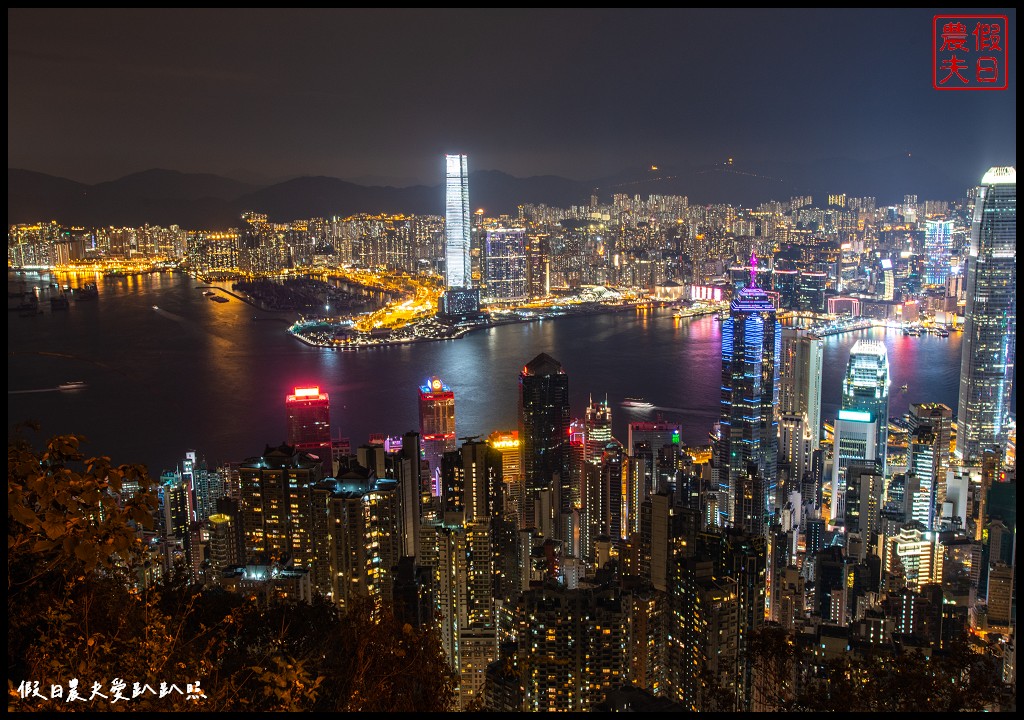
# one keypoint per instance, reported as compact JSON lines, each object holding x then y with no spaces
{"x":751,"y":355}
{"x":437,"y":423}
{"x":505,"y":264}
{"x":544,"y":433}
{"x":309,"y":423}
{"x":800,"y":378}
{"x":597,"y":429}
{"x":938,"y":251}
{"x":457,"y":223}
{"x":990,"y":319}
{"x":854,"y":443}
{"x":866,"y":388}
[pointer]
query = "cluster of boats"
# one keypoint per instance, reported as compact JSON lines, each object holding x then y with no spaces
{"x":918,"y":331}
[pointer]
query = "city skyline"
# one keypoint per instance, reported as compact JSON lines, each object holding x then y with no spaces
{"x":781,"y":528}
{"x":568,"y":118}
{"x":657,"y":564}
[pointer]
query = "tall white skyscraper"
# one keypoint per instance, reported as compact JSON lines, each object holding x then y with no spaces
{"x":866,"y":388}
{"x":457,"y":223}
{"x":990,"y":319}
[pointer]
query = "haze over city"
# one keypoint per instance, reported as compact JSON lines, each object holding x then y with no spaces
{"x":375,"y":96}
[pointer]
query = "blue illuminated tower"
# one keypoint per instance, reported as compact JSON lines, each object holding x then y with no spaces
{"x":751,"y":355}
{"x":938,"y":250}
{"x":990,"y":319}
{"x":458,"y":271}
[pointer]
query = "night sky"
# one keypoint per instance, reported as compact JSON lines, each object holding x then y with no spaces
{"x":376,"y":96}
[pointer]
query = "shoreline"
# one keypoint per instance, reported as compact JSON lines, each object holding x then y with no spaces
{"x":462,"y":330}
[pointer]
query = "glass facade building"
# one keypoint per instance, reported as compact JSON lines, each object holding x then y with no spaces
{"x":437,"y":424}
{"x":990,"y":318}
{"x":938,"y":250}
{"x":544,"y":433}
{"x":505,"y":264}
{"x":457,"y":226}
{"x":866,"y":388}
{"x":751,"y":356}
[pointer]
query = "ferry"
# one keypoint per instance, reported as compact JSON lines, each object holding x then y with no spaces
{"x":88,"y":291}
{"x":636,"y":403}
{"x":72,"y":385}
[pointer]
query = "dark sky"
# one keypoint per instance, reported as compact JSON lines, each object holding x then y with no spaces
{"x":377,"y":96}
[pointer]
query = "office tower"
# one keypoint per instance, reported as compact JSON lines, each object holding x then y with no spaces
{"x":1001,"y":596}
{"x":309,"y":423}
{"x":800,"y":373}
{"x":751,"y":355}
{"x":614,"y":497}
{"x":938,"y":251}
{"x":863,"y":505}
{"x":505,"y":265}
{"x":990,"y":318}
{"x":928,"y":459}
{"x":507,"y":444}
{"x":597,"y":428}
{"x":544,"y":434}
{"x":854,"y":443}
{"x":538,"y":268}
{"x":437,"y":423}
{"x":914,"y":555}
{"x":406,"y":465}
{"x":471,"y":482}
{"x":939,"y":418}
{"x":656,"y":434}
{"x":796,"y":447}
{"x":810,"y":291}
{"x":866,"y":388}
{"x":457,"y":224}
{"x":784,"y":282}
{"x":639,"y":485}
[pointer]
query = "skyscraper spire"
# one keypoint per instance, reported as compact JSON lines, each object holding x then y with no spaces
{"x":753,"y":269}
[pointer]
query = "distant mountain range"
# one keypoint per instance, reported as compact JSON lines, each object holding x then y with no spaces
{"x":193,"y":200}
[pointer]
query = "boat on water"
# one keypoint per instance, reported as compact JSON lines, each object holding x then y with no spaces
{"x":636,"y":403}
{"x":88,"y":291}
{"x":72,"y":385}
{"x":903,"y":388}
{"x":208,"y":293}
{"x":217,"y":298}
{"x":59,"y":302}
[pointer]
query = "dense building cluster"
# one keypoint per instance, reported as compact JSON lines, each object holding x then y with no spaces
{"x":560,"y":564}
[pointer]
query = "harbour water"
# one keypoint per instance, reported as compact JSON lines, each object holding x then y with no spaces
{"x":167,"y":371}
